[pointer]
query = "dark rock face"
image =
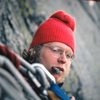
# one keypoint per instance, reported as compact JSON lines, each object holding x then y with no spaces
{"x":18,"y":23}
{"x":19,"y":20}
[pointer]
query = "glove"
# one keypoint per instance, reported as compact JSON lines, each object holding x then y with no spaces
{"x":4,"y":51}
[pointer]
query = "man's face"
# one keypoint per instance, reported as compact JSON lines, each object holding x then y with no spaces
{"x":56,"y":56}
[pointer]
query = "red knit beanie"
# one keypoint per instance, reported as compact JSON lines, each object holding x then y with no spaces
{"x":59,"y":27}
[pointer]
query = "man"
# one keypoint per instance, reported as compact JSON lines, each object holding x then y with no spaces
{"x":53,"y":45}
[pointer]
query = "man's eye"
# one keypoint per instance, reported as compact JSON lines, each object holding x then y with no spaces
{"x":68,"y":55}
{"x":55,"y":49}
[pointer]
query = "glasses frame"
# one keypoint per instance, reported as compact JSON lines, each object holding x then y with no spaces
{"x":59,"y":51}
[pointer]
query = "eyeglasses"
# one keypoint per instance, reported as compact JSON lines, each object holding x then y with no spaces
{"x":58,"y":51}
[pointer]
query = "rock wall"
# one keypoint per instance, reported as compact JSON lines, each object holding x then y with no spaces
{"x":20,"y":18}
{"x":18,"y":21}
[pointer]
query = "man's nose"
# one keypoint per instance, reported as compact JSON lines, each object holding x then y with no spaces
{"x":62,"y":58}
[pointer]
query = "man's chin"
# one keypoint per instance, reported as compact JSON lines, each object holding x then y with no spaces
{"x":57,"y":78}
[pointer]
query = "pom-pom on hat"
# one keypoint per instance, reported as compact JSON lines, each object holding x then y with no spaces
{"x":59,"y":27}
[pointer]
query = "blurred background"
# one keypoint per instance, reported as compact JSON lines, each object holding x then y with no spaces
{"x":19,"y":20}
